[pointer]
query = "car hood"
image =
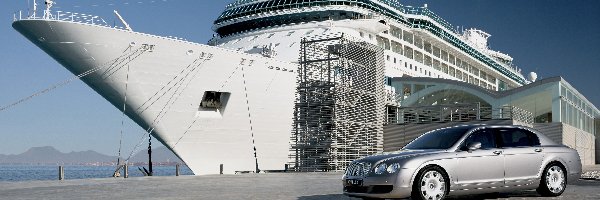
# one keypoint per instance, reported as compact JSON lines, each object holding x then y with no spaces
{"x":398,"y":155}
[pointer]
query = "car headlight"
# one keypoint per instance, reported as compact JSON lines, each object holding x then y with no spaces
{"x":393,"y":168}
{"x":380,"y":168}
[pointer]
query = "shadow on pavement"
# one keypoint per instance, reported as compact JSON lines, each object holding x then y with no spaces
{"x":527,"y":194}
{"x":326,"y":197}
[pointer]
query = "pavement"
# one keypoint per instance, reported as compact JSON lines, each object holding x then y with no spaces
{"x":304,"y":186}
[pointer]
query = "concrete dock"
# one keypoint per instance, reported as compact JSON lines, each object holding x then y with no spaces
{"x":305,"y":186}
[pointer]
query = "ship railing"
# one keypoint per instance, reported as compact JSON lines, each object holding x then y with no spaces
{"x":65,"y":16}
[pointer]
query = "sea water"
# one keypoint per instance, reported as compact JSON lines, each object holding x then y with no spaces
{"x":14,"y":173}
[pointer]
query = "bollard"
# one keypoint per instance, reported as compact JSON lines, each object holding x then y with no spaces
{"x":221,"y":169}
{"x":61,"y":173}
{"x":126,"y":171}
{"x":177,"y":170}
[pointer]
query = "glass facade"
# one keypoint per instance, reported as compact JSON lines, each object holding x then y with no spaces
{"x":577,"y":112}
{"x":549,"y":102}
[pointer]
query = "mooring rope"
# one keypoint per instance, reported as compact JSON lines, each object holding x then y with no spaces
{"x":61,"y":84}
{"x":250,"y":119}
{"x":123,"y":114}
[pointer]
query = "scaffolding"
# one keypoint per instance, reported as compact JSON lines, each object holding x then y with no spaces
{"x":339,"y":111}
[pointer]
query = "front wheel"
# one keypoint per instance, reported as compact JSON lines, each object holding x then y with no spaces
{"x":554,"y":181}
{"x":430,"y":184}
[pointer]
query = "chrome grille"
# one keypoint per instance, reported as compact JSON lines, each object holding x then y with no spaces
{"x":358,"y":169}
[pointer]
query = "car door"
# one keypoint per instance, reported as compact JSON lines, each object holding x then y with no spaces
{"x":482,"y":168}
{"x":522,"y":155}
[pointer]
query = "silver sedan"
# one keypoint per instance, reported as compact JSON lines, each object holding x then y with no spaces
{"x":466,"y":160}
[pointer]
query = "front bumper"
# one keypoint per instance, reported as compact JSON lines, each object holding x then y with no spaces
{"x":396,"y":185}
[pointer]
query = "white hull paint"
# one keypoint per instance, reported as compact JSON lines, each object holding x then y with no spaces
{"x":222,"y":137}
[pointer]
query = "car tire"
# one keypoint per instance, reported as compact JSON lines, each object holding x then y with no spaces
{"x":430,"y":183}
{"x":553,"y":181}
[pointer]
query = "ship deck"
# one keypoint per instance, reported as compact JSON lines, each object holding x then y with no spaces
{"x":305,"y":186}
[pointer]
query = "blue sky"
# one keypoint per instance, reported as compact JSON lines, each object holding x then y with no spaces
{"x":552,"y":38}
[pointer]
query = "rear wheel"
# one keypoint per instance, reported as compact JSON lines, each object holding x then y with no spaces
{"x":430,"y":184}
{"x":554,"y":181}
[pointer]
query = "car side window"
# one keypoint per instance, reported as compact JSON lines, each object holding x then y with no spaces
{"x":485,"y":136}
{"x":513,"y":137}
{"x":535,"y":140}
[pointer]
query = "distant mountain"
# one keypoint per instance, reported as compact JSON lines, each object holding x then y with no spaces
{"x":49,"y":155}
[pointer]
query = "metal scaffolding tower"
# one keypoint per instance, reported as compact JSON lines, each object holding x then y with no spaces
{"x":340,"y":103}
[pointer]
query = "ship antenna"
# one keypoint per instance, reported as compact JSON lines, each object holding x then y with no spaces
{"x":34,"y":8}
{"x":47,"y":13}
{"x":123,"y":21}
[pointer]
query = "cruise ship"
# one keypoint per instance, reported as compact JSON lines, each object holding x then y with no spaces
{"x":230,"y":102}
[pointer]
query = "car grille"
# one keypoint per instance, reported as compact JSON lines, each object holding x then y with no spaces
{"x":358,"y":169}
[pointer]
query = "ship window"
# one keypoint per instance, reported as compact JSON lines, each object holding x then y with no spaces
{"x":253,"y":38}
{"x":271,"y":35}
{"x":482,"y":75}
{"x":444,"y":55}
{"x":436,"y":51}
{"x":290,"y":33}
{"x":428,"y":61}
{"x":451,"y":58}
{"x":396,"y":47}
{"x":459,"y":63}
{"x":408,"y":52}
{"x":444,"y":68}
{"x":214,"y":100}
{"x":436,"y":65}
{"x":427,"y":47}
{"x":418,"y":42}
{"x":362,"y":34}
{"x":451,"y":71}
{"x":418,"y":57}
{"x":408,"y":37}
{"x":396,"y":32}
{"x":383,"y":42}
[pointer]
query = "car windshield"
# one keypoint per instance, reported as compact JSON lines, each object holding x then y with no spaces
{"x":439,"y":139}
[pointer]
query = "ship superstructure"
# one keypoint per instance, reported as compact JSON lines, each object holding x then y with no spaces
{"x":231,"y":101}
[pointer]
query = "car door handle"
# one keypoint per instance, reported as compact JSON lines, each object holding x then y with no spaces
{"x":497,"y":152}
{"x":538,"y":150}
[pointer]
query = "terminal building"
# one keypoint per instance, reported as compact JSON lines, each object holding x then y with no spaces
{"x":551,"y":106}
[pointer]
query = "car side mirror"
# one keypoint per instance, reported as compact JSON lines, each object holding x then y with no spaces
{"x":473,"y":146}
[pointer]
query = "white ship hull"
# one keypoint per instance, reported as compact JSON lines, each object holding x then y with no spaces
{"x":164,"y":94}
